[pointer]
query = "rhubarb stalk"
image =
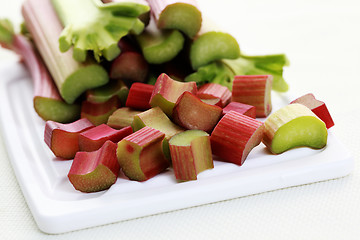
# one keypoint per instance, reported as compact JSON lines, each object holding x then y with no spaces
{"x":71,"y":77}
{"x":47,"y":101}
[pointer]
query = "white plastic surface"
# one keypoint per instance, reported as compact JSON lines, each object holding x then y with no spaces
{"x":57,"y":207}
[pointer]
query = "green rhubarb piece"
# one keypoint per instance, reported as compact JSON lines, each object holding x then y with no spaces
{"x":6,"y":33}
{"x":160,"y":46}
{"x":56,"y":110}
{"x":293,"y":126}
{"x":111,"y":89}
{"x":157,"y":119}
{"x":92,"y":25}
{"x":212,"y":46}
{"x":71,"y":77}
{"x":262,"y":65}
{"x":182,"y":16}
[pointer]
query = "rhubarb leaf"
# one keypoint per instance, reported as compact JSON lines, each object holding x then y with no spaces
{"x":90,"y":25}
{"x":6,"y":33}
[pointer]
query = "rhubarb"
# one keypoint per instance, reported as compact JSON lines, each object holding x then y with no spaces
{"x":294,"y":125}
{"x":181,"y":15}
{"x":140,"y":154}
{"x":190,"y":154}
{"x":139,"y":96}
{"x":98,"y":113}
{"x":254,"y":90}
{"x":71,"y":78}
{"x":242,"y":108}
{"x":95,"y":171}
{"x":106,"y":92}
{"x":160,"y":46}
{"x":63,"y":139}
{"x":192,"y":113}
{"x":212,"y":46}
{"x":215,"y":90}
{"x":122,"y":117}
{"x":92,"y":139}
{"x":98,"y":27}
{"x":48,"y":103}
{"x":157,"y":119}
{"x":235,"y":136}
{"x":316,"y":106}
{"x":167,"y":91}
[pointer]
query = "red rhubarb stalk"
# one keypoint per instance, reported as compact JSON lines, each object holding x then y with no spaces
{"x":215,"y":90}
{"x":242,"y":108}
{"x":98,"y":113}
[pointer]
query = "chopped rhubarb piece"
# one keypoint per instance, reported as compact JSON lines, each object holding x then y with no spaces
{"x":157,"y":119}
{"x":93,"y":139}
{"x":167,"y":91}
{"x":182,"y":15}
{"x":294,"y":125}
{"x":254,"y":90}
{"x":215,"y":90}
{"x":98,"y":113}
{"x":235,"y":136}
{"x":139,"y":96}
{"x":317,"y":107}
{"x":122,"y":117}
{"x":140,"y":154}
{"x":106,"y":92}
{"x":95,"y":171}
{"x":212,"y":46}
{"x":190,"y":154}
{"x":192,"y":113}
{"x":63,"y":139}
{"x":242,"y":108}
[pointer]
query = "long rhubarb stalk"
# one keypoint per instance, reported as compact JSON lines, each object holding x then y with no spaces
{"x":48,"y":103}
{"x":71,"y":78}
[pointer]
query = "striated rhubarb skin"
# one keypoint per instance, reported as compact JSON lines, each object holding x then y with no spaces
{"x":294,"y":125}
{"x":140,"y":154}
{"x":192,"y":113}
{"x":215,"y":90}
{"x":167,"y":91}
{"x":98,"y":113}
{"x":190,"y":154}
{"x":181,"y":15}
{"x":242,"y":108}
{"x":139,"y":96}
{"x":93,"y":139}
{"x":71,"y":77}
{"x":235,"y":136}
{"x":253,"y":90}
{"x":122,"y":117}
{"x":95,"y":171}
{"x":47,"y":101}
{"x":316,"y":106}
{"x":63,"y":139}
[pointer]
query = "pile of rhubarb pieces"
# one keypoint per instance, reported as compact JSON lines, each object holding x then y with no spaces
{"x":142,"y":86}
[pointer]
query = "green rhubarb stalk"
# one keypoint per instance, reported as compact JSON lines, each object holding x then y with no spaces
{"x":223,"y":71}
{"x":160,"y":46}
{"x":90,"y":25}
{"x":184,"y":16}
{"x":71,"y":77}
{"x":47,"y":101}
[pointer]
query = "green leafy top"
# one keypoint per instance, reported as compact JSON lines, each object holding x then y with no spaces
{"x":6,"y":33}
{"x":223,"y":71}
{"x":90,"y":25}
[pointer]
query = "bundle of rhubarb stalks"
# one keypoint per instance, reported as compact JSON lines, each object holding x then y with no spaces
{"x":142,"y":86}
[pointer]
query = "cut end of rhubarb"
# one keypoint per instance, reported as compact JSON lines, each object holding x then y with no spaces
{"x":294,"y":126}
{"x":182,"y":16}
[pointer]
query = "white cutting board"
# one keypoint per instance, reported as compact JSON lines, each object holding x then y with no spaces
{"x":57,"y":207}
